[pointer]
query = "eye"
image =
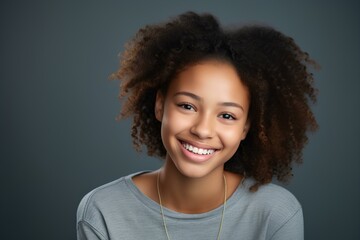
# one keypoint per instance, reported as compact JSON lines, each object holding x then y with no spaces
{"x":186,"y":106}
{"x":227,"y":116}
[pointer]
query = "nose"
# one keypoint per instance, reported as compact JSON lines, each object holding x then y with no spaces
{"x":203,"y":127}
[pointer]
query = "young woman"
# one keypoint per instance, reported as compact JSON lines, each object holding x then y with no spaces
{"x":227,"y":110}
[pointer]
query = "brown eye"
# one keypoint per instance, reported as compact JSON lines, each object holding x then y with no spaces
{"x":227,"y":116}
{"x":186,"y":106}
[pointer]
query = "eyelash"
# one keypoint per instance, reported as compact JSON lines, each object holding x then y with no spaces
{"x":186,"y":106}
{"x":228,"y":116}
{"x":189,"y":107}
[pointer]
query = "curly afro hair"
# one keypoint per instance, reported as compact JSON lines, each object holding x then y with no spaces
{"x":270,"y":64}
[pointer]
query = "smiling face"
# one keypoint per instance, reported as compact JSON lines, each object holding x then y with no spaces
{"x":203,"y":117}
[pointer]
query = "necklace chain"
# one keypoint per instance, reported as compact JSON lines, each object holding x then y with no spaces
{"x":162,"y":210}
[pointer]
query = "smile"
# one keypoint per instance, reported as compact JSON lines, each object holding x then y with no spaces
{"x":197,"y":150}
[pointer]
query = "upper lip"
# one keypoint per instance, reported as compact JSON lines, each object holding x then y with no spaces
{"x":198,"y":145}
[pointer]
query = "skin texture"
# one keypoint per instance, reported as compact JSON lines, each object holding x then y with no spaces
{"x":192,"y":112}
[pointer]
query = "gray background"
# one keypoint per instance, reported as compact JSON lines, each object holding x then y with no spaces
{"x":59,"y":137}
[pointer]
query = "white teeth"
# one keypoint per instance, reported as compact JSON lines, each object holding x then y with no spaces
{"x":200,"y":151}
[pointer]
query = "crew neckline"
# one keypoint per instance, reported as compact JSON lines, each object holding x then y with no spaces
{"x":171,"y":214}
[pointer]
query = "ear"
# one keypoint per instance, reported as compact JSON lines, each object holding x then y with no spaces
{"x":159,"y":106}
{"x":246,"y":129}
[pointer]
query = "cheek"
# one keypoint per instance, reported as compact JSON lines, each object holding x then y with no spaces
{"x":231,"y":138}
{"x":171,"y":125}
{"x":175,"y":122}
{"x":231,"y":141}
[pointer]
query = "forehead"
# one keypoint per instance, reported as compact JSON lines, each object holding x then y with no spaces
{"x":213,"y":79}
{"x":210,"y":73}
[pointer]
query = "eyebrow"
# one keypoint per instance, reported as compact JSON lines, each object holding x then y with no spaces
{"x":197,"y":98}
{"x":194,"y":96}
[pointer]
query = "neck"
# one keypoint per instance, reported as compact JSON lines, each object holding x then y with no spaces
{"x":190,"y":195}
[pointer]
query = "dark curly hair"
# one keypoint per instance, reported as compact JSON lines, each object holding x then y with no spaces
{"x":270,"y":64}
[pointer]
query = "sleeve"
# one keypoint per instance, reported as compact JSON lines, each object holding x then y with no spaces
{"x":90,"y":224}
{"x":86,"y":232}
{"x":292,"y":229}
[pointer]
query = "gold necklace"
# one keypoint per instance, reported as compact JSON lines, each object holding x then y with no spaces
{"x":162,"y":210}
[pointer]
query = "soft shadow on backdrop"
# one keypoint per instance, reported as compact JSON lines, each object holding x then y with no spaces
{"x":59,"y":138}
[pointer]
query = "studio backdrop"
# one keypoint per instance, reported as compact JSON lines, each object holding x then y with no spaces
{"x":59,"y":134}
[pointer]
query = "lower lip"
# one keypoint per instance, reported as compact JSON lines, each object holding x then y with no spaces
{"x":193,"y":157}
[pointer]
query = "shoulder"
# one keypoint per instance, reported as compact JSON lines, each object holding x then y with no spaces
{"x":98,"y":197}
{"x":106,"y":198}
{"x":277,"y":208}
{"x":90,"y":220}
{"x":107,"y":207}
{"x":272,"y":196}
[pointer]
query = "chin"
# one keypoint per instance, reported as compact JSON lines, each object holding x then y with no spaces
{"x":197,"y":171}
